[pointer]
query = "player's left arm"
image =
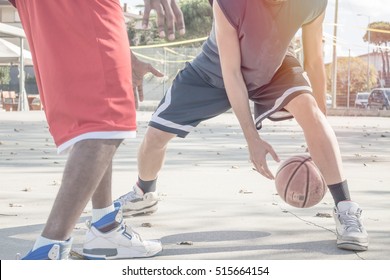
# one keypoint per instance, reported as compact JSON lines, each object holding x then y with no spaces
{"x":230,"y":56}
{"x":314,"y":60}
{"x":139,"y":70}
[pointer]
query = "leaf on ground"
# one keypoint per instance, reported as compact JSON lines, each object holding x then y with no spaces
{"x":15,"y":205}
{"x":323,"y":215}
{"x":244,"y":191}
{"x":148,"y":225}
{"x":185,"y":243}
{"x":76,"y":256}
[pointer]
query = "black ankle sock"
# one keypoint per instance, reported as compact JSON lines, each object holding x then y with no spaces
{"x":340,"y":191}
{"x":147,"y":186}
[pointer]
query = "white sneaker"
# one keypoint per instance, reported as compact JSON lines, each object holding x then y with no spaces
{"x":351,"y":234}
{"x":136,"y":202}
{"x":120,"y":242}
{"x":54,"y":251}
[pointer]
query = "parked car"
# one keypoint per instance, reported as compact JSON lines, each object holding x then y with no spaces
{"x":379,"y":99}
{"x":361,"y":99}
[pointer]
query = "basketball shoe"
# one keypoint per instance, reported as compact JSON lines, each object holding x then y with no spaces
{"x":351,"y":234}
{"x":110,"y":238}
{"x":55,"y":251}
{"x":136,"y":202}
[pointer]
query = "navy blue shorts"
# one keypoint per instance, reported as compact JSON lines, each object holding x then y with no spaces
{"x":191,"y":99}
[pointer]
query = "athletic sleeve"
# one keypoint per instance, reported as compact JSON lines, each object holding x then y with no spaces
{"x":234,"y":11}
{"x":13,"y":3}
{"x":320,"y":6}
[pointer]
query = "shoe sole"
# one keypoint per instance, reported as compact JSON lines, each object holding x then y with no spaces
{"x":149,"y":210}
{"x":121,"y":256}
{"x":352,"y":246}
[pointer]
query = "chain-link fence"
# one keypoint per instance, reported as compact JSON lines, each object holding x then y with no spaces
{"x":168,"y":61}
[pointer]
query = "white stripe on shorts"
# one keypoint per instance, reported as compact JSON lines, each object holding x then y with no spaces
{"x":157,"y":119}
{"x":279,"y":101}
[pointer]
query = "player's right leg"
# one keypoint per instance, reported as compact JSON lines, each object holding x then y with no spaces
{"x":188,"y":102}
{"x":151,"y":156}
{"x":324,"y":149}
{"x":290,"y":89}
{"x":86,"y":165}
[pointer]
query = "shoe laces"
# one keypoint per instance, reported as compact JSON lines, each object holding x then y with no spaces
{"x":351,"y":220}
{"x":130,"y":196}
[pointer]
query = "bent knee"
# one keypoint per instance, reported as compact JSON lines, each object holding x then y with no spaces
{"x":157,"y":138}
{"x":305,"y":110}
{"x":303,"y":104}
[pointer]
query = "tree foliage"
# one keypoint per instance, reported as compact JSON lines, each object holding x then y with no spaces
{"x":140,"y":37}
{"x":4,"y":75}
{"x":357,"y":72}
{"x":198,"y":17}
{"x":377,"y":37}
{"x":382,"y":40}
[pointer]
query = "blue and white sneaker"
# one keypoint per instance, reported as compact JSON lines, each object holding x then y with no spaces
{"x":55,"y":251}
{"x":110,"y":238}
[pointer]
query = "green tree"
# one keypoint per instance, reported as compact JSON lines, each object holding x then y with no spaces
{"x":4,"y":75}
{"x":143,"y":37}
{"x":357,"y":69}
{"x":198,"y":17}
{"x":382,"y":41}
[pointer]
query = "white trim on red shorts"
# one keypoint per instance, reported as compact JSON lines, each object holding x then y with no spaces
{"x":65,"y":147}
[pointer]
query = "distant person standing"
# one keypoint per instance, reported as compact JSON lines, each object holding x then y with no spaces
{"x":82,"y":63}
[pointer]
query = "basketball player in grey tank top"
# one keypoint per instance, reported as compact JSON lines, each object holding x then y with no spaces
{"x":247,"y":57}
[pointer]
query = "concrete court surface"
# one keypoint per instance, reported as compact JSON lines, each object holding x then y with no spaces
{"x":213,"y":205}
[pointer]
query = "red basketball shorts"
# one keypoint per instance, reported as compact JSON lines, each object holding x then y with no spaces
{"x":82,"y":64}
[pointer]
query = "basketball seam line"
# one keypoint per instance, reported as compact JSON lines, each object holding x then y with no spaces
{"x":292,"y":176}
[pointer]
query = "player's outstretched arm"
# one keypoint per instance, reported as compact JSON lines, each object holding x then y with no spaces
{"x":168,"y":15}
{"x":139,"y":70}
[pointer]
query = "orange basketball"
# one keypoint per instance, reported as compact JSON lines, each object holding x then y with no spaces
{"x":299,"y":182}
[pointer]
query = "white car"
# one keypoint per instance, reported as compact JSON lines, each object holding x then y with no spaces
{"x":361,"y":99}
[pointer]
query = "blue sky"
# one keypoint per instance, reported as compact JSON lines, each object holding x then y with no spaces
{"x":351,"y":27}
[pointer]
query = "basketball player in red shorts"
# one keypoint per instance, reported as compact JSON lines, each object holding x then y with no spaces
{"x":83,"y":69}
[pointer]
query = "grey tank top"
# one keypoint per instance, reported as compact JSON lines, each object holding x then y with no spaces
{"x":265,"y":31}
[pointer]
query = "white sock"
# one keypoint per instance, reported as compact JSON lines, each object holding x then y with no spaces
{"x":97,"y":214}
{"x":43,"y":241}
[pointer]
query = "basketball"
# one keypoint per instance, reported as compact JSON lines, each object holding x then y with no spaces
{"x":299,"y":182}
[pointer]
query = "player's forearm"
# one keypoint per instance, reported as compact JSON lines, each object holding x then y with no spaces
{"x":238,"y":97}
